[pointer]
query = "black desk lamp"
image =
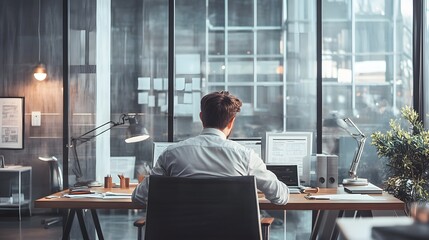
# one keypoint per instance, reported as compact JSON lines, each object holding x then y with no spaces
{"x":360,"y":138}
{"x":135,"y":133}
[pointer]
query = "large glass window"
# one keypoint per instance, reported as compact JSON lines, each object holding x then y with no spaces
{"x":367,"y":73}
{"x":261,"y":51}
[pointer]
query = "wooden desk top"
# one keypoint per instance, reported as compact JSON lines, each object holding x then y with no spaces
{"x":382,"y":201}
{"x":296,"y":202}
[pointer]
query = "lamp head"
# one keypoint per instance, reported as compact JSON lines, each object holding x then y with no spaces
{"x":47,"y":159}
{"x":135,"y":132}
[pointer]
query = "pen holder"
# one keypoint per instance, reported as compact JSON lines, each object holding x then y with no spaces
{"x":124,"y":182}
{"x":108,"y":182}
{"x":127,"y":182}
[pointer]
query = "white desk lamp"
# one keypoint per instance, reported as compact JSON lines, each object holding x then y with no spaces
{"x":135,"y":133}
{"x":360,"y":138}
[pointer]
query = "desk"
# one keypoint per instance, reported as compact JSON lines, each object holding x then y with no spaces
{"x":296,"y":202}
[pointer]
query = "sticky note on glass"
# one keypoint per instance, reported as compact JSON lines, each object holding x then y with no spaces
{"x":162,"y":99}
{"x":187,"y":98}
{"x":157,"y":84}
{"x":180,"y":84}
{"x":165,"y":84}
{"x":143,"y":83}
{"x":151,"y":102}
{"x":196,"y":84}
{"x":188,"y":87}
{"x":143,"y":98}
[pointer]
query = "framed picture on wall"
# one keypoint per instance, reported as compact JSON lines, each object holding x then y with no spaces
{"x":12,"y":122}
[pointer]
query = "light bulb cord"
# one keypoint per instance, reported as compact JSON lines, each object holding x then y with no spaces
{"x":38,"y":30}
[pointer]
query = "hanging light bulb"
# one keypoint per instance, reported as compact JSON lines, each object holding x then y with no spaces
{"x":40,"y":70}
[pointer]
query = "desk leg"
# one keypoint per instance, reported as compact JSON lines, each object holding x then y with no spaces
{"x":69,"y":222}
{"x":364,"y":213}
{"x":97,"y":224}
{"x":317,"y":220}
{"x":79,"y":213}
{"x":335,"y":232}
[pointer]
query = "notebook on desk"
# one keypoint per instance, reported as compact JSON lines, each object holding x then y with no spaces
{"x":288,"y":174}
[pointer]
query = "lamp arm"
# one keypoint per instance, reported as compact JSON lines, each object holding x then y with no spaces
{"x":77,"y":170}
{"x":83,"y":139}
{"x":356,"y":158}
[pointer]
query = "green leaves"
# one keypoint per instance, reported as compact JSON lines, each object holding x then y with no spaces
{"x":406,"y":150}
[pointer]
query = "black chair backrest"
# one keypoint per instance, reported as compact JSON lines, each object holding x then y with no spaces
{"x":210,"y":208}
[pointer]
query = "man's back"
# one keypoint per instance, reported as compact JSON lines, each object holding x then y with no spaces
{"x":207,"y":155}
{"x":211,"y":155}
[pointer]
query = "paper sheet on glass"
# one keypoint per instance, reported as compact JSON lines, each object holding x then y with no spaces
{"x":290,"y":150}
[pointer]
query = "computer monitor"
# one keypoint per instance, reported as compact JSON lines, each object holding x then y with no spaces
{"x":252,"y":143}
{"x":289,"y":148}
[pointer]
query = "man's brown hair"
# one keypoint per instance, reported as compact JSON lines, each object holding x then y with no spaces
{"x":218,"y":108}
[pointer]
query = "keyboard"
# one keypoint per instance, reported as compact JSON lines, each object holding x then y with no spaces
{"x":294,"y":191}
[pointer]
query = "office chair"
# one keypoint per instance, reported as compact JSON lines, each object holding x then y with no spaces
{"x":211,"y":208}
{"x":56,"y":184}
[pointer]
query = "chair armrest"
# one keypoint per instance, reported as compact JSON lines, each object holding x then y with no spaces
{"x":140,"y":222}
{"x":266,"y":221}
{"x":265,"y":226}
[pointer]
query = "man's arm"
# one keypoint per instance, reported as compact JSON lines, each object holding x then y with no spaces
{"x":140,"y":193}
{"x":274,"y":190}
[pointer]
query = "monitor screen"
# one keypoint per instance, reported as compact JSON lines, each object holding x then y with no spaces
{"x":254,"y":144}
{"x":288,"y":174}
{"x":289,"y":148}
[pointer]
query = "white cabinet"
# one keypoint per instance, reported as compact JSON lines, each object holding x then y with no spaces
{"x":15,"y":188}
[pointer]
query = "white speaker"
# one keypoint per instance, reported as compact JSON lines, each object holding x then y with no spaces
{"x":321,"y":170}
{"x":332,"y":171}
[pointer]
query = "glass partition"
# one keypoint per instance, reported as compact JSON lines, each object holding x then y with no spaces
{"x":118,"y":65}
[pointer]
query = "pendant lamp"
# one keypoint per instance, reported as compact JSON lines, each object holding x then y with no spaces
{"x":40,"y":69}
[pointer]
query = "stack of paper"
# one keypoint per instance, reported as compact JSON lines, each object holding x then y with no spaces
{"x":111,"y":195}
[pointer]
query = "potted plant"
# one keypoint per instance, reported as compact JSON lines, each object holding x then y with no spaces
{"x":405,"y":147}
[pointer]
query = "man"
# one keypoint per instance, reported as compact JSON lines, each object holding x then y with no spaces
{"x":211,"y":154}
